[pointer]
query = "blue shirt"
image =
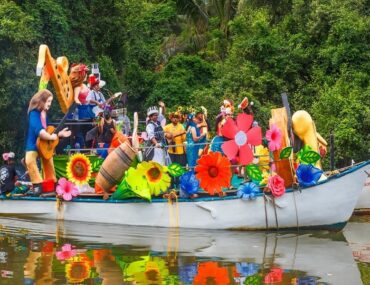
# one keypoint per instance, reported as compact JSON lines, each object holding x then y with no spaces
{"x":34,"y":128}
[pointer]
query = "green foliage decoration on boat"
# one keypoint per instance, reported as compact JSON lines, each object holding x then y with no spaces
{"x":175,"y":169}
{"x":253,"y":172}
{"x":286,"y":152}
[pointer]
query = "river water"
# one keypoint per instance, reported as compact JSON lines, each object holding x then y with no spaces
{"x":46,"y":252}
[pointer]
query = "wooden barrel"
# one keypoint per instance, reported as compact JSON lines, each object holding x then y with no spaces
{"x":114,"y":166}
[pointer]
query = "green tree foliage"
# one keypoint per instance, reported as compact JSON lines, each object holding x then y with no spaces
{"x":196,"y":52}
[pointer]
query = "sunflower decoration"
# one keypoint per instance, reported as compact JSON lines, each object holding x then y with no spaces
{"x":149,"y":174}
{"x":79,"y":169}
{"x":214,"y":172}
{"x":77,"y":271}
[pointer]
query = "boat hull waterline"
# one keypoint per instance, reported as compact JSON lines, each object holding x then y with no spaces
{"x":326,"y":205}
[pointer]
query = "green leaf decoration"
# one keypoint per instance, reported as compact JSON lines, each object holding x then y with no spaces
{"x":175,"y":169}
{"x":254,"y":173}
{"x":253,"y":280}
{"x":302,"y":151}
{"x":286,"y":152}
{"x":96,"y":163}
{"x":310,"y":157}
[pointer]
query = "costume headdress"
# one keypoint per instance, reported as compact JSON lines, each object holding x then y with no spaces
{"x":93,"y":80}
{"x":152,"y":110}
{"x":8,"y":155}
{"x":80,"y":67}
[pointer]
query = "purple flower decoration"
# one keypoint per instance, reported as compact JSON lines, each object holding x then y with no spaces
{"x":189,"y":184}
{"x":248,"y":191}
{"x":308,"y":175}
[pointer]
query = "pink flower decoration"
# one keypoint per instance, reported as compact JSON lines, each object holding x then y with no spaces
{"x":241,"y":136}
{"x":66,"y":189}
{"x":66,"y":253}
{"x":275,"y":276}
{"x":274,"y":136}
{"x":276,"y":185}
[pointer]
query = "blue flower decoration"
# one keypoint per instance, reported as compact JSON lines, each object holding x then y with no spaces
{"x":308,"y":175}
{"x":189,"y":184}
{"x":306,"y":280}
{"x":248,"y":191}
{"x":187,"y":273}
{"x":246,"y":269}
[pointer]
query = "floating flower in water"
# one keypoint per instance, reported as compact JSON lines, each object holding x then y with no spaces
{"x":274,"y":136}
{"x":211,"y":273}
{"x":214,"y":173}
{"x":247,"y":269}
{"x":248,"y":191}
{"x":66,"y":253}
{"x":275,"y":276}
{"x":276,"y":185}
{"x":79,"y":169}
{"x":308,"y":175}
{"x":66,"y":189}
{"x":77,"y":271}
{"x":156,"y":176}
{"x":189,"y":184}
{"x":241,"y":135}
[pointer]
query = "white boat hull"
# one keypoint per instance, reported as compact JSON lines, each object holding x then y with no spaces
{"x":363,"y":203}
{"x":329,"y":204}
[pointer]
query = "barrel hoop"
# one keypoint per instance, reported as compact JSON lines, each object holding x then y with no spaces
{"x":124,"y":157}
{"x":108,"y":177}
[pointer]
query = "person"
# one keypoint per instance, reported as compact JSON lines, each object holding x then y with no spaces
{"x":95,"y":98}
{"x":156,"y":143}
{"x":37,"y":124}
{"x":193,"y":138}
{"x":126,"y":123}
{"x":106,"y":130}
{"x":178,"y":134}
{"x":78,"y":76}
{"x":8,"y":174}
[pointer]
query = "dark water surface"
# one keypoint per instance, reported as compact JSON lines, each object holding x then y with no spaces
{"x":46,"y":252}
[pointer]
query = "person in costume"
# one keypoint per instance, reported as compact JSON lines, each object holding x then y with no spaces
{"x":78,"y":76}
{"x":95,"y":97}
{"x":37,"y":123}
{"x":177,"y":131}
{"x":155,"y":147}
{"x":194,"y":137}
{"x":8,"y":174}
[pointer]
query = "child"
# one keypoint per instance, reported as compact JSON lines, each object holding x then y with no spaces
{"x":8,"y":175}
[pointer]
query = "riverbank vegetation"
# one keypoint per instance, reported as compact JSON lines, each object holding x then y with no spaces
{"x":197,"y":52}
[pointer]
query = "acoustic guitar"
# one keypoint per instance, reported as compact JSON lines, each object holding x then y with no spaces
{"x":46,"y":148}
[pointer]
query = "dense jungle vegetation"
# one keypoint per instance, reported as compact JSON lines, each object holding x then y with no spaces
{"x":199,"y":52}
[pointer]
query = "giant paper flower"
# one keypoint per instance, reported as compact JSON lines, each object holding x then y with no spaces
{"x":274,"y":136}
{"x":241,"y":135}
{"x":189,"y":184}
{"x":308,"y":175}
{"x":275,"y":276}
{"x":66,"y":189}
{"x":79,"y":169}
{"x":210,"y":273}
{"x":155,"y":175}
{"x":276,"y":185}
{"x":248,"y":191}
{"x":213,"y":171}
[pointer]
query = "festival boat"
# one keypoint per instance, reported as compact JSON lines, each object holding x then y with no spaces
{"x":281,"y":184}
{"x":312,"y":258}
{"x":327,"y":205}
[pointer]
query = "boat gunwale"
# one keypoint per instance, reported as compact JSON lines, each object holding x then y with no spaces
{"x":193,"y":200}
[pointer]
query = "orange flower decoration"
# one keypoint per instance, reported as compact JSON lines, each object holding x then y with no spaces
{"x":79,"y":169}
{"x":211,"y":273}
{"x":214,"y":172}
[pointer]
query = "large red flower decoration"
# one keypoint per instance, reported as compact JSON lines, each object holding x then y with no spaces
{"x":213,"y":172}
{"x":241,"y":136}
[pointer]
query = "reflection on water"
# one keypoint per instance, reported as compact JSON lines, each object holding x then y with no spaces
{"x":44,"y":252}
